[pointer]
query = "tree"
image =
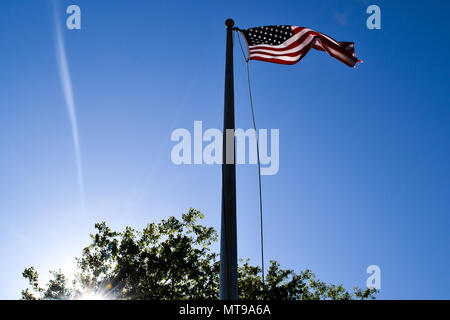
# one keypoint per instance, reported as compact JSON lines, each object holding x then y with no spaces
{"x":172,"y":259}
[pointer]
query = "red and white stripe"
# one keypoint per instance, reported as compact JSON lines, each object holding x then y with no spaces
{"x":296,"y":47}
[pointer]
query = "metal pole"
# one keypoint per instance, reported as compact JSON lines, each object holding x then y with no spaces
{"x":228,"y":238}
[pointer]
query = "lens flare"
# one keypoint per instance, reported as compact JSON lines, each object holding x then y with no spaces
{"x":92,"y":296}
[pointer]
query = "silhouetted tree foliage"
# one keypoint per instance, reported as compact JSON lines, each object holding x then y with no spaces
{"x":172,"y":260}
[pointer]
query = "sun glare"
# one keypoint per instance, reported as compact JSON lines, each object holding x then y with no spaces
{"x":92,"y":296}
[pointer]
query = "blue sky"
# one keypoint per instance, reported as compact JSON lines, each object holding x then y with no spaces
{"x":364,"y":153}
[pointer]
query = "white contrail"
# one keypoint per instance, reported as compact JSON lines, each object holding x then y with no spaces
{"x":70,"y":102}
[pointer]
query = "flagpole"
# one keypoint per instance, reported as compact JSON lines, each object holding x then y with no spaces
{"x":228,"y":235}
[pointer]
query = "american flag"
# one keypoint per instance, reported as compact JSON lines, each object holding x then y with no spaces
{"x":289,"y":44}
